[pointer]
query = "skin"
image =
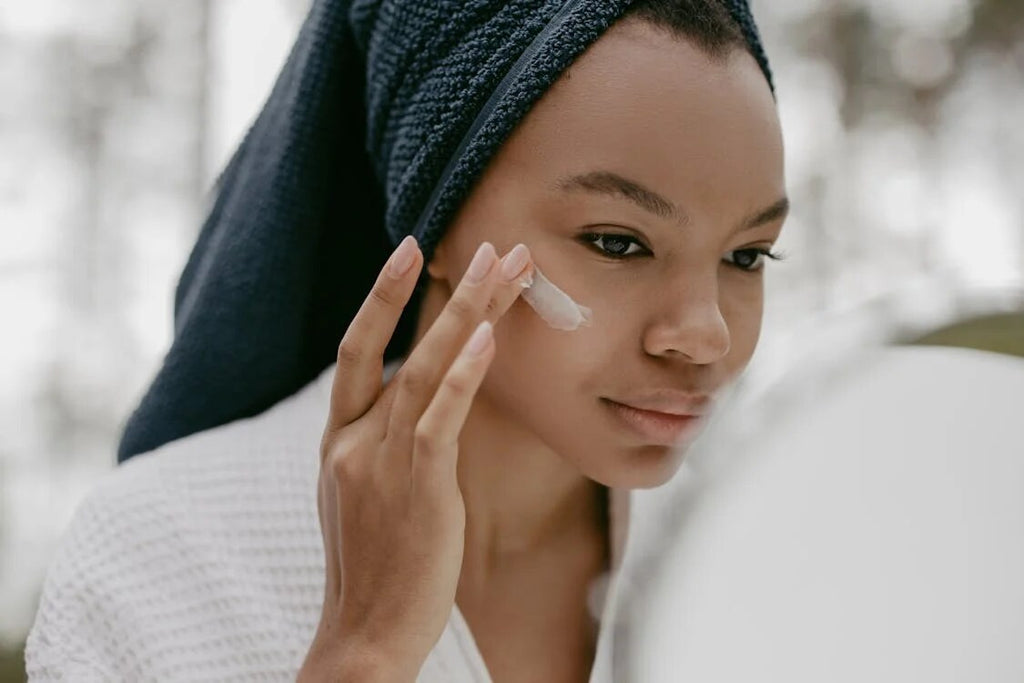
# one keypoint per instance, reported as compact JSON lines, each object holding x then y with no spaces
{"x":538,"y":444}
{"x":704,"y":134}
{"x":478,"y":479}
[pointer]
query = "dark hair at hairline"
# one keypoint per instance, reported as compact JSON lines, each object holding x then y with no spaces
{"x":707,"y":23}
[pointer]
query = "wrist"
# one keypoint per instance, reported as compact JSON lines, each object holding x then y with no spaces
{"x":368,"y":667}
{"x":356,"y":662}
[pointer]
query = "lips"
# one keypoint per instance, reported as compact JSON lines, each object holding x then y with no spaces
{"x":656,"y":427}
{"x":669,"y":401}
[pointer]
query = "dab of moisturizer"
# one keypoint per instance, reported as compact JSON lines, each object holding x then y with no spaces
{"x":552,"y":304}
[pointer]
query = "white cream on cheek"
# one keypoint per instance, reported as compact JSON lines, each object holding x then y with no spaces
{"x":553,"y":305}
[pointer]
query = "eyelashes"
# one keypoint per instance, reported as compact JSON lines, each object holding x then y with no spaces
{"x":619,"y":247}
{"x":757,"y":255}
{"x":620,"y":244}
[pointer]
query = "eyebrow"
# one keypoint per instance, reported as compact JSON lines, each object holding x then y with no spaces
{"x":612,"y":184}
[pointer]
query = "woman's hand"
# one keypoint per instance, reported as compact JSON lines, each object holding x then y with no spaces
{"x":391,"y":513}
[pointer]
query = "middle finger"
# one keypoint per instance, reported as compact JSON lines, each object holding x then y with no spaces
{"x":421,"y":374}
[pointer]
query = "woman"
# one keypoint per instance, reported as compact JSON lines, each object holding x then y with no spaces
{"x":633,"y":151}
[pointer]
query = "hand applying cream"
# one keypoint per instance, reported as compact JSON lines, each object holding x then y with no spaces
{"x":553,"y":305}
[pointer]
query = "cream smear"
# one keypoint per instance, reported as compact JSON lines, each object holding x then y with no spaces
{"x":552,"y":304}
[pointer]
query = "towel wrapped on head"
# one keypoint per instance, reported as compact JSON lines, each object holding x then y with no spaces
{"x":380,"y":122}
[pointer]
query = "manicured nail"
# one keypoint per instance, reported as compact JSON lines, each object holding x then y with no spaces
{"x":514,"y":262}
{"x":403,"y":257}
{"x":481,"y":263}
{"x":478,"y":342}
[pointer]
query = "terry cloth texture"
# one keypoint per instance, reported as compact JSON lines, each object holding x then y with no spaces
{"x":380,"y":122}
{"x":204,"y":561}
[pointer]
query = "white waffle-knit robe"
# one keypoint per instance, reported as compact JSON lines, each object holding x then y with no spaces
{"x":203,"y":561}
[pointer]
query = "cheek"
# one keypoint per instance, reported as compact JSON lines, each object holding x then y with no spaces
{"x":542,"y":375}
{"x":546,"y":380}
{"x":554,"y":361}
{"x":742,"y":307}
{"x":548,"y":383}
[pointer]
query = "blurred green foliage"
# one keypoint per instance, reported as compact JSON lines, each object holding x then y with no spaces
{"x":12,"y":666}
{"x":1002,"y":333}
{"x":997,"y":23}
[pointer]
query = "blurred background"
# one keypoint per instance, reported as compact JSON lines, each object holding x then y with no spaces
{"x":905,"y":163}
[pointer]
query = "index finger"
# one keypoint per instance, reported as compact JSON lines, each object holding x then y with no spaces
{"x":358,"y":376}
{"x":474,"y":299}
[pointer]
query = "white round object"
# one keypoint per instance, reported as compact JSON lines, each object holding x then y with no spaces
{"x":872,"y":533}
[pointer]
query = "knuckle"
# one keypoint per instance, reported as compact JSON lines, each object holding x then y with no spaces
{"x":423,"y":439}
{"x":349,"y":352}
{"x":415,"y":381}
{"x":458,"y":383}
{"x":339,"y":456}
{"x":344,"y":467}
{"x":382,"y":296}
{"x":462,"y":307}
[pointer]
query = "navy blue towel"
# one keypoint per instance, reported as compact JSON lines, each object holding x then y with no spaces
{"x":379,"y":123}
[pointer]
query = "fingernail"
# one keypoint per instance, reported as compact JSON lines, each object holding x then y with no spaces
{"x":478,"y":342}
{"x":513,"y":263}
{"x":403,"y":257}
{"x":481,"y":263}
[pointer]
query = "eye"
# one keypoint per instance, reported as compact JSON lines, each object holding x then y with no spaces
{"x":751,"y":260}
{"x":613,"y":245}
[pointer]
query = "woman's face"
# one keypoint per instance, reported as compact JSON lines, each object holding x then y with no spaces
{"x":644,"y":182}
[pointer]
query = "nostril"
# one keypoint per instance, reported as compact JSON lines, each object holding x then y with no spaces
{"x":698,"y":333}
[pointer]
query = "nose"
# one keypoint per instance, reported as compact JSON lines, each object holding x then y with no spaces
{"x":690,"y":323}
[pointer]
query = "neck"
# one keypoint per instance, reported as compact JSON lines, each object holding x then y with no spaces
{"x":523,"y":500}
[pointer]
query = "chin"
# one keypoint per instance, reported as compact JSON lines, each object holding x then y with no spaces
{"x":640,"y":467}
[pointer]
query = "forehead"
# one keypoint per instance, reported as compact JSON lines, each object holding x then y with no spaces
{"x":654,"y":107}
